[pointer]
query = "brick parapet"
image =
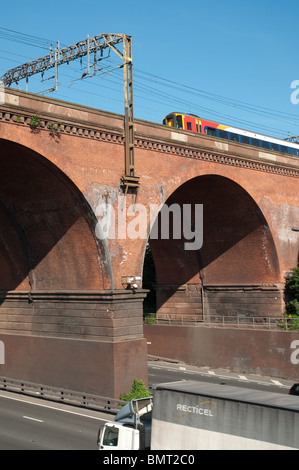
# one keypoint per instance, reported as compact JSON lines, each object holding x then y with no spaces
{"x":98,"y":125}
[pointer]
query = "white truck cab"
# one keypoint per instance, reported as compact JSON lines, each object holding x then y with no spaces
{"x":131,"y":428}
{"x":118,"y":436}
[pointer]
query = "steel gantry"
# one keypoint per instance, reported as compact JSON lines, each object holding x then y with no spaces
{"x":88,"y":47}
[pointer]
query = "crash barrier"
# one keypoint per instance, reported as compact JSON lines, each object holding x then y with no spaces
{"x":61,"y":395}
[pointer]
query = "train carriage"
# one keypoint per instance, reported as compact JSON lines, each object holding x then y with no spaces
{"x":194,"y":123}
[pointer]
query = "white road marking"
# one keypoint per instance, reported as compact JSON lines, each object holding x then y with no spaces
{"x":229,"y":377}
{"x":53,"y":408}
{"x":33,"y":419}
{"x":276,"y":382}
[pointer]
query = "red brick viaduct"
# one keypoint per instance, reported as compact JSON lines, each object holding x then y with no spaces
{"x":65,"y":317}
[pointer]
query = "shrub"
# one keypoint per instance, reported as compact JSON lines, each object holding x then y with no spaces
{"x":138,"y":390}
{"x":292,"y":308}
{"x":150,"y":319}
{"x":292,"y":285}
{"x":292,"y":304}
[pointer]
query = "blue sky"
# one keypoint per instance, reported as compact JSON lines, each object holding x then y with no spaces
{"x":228,"y":61}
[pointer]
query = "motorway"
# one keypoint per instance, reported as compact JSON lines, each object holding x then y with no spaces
{"x":28,"y":423}
{"x":162,"y":371}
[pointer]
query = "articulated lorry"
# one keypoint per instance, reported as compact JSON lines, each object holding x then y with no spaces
{"x":190,"y":415}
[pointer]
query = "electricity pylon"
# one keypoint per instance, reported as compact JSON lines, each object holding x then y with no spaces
{"x":87,"y":47}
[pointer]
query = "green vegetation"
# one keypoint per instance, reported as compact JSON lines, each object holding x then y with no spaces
{"x":150,"y":319}
{"x":54,"y":127}
{"x":138,"y":390}
{"x":34,"y":121}
{"x":292,"y":304}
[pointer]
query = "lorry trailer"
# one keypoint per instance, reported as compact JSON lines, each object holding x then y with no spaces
{"x":191,"y":415}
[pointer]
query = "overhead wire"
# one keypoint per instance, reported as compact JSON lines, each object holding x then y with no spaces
{"x":258,"y":110}
{"x":167,"y":97}
{"x":214,"y":96}
{"x":151,"y":87}
{"x":28,"y":39}
{"x":151,"y":91}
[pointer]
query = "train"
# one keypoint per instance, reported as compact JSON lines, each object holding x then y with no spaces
{"x":193,"y":123}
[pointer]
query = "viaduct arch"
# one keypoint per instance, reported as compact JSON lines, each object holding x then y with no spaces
{"x":65,"y":317}
{"x":62,"y":322}
{"x":236,"y":269}
{"x":47,"y":228}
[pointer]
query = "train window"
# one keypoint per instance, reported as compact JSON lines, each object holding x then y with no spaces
{"x":168,"y":121}
{"x":196,"y":127}
{"x":292,"y":151}
{"x":245,"y":139}
{"x":223,"y":134}
{"x":234,"y":137}
{"x":295,"y":151}
{"x":283,"y":149}
{"x":255,"y":142}
{"x":275,"y":147}
{"x":211,"y":131}
{"x":189,"y":126}
{"x":265,"y":144}
{"x":179,"y":122}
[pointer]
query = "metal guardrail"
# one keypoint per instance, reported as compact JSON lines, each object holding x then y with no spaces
{"x":251,"y":322}
{"x":61,"y":395}
{"x":269,"y":323}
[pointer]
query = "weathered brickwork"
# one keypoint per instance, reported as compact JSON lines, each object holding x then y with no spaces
{"x":60,"y":281}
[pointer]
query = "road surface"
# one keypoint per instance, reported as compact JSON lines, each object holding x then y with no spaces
{"x":34,"y":424}
{"x":162,"y":371}
{"x":28,"y":423}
